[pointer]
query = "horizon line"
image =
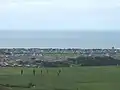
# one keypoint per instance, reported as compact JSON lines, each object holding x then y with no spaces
{"x":52,"y":48}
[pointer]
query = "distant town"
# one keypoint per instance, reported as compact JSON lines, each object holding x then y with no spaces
{"x":34,"y":57}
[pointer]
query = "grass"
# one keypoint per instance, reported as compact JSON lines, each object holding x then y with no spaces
{"x":75,"y":78}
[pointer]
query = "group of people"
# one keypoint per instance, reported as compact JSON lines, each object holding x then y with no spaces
{"x":34,"y":72}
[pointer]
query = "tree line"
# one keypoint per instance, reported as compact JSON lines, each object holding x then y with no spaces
{"x":94,"y":61}
{"x":80,"y":61}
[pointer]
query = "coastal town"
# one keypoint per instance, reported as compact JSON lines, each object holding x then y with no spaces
{"x":33,"y":57}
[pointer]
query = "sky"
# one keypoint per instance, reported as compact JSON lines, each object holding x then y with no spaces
{"x":59,"y":14}
{"x":60,"y":23}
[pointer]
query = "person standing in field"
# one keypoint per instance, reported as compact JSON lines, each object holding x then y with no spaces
{"x":59,"y":71}
{"x":21,"y":71}
{"x":41,"y":72}
{"x":34,"y":72}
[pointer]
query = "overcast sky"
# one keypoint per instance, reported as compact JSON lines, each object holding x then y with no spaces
{"x":63,"y":15}
{"x":60,"y":14}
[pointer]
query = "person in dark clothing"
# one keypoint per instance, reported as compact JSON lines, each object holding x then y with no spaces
{"x":41,"y":72}
{"x":21,"y":71}
{"x":47,"y":71}
{"x":59,"y":71}
{"x":34,"y":72}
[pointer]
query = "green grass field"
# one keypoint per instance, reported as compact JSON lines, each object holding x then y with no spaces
{"x":83,"y":78}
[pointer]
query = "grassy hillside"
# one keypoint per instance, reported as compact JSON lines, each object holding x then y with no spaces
{"x":83,"y":78}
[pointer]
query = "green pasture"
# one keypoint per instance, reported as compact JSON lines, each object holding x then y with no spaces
{"x":72,"y":78}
